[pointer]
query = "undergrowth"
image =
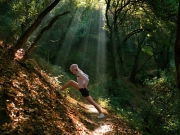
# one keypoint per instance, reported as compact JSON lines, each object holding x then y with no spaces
{"x":162,"y":117}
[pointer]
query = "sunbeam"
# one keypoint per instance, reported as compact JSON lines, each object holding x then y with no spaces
{"x":69,"y":39}
{"x":101,"y":46}
{"x":92,"y":44}
{"x":87,"y":39}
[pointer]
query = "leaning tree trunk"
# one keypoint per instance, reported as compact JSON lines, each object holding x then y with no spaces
{"x":177,"y":51}
{"x":114,"y":72}
{"x":24,"y":37}
{"x":43,"y":30}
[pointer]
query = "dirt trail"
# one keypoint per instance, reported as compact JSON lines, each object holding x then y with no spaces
{"x":87,"y":122}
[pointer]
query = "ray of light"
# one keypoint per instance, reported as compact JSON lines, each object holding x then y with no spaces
{"x":101,"y":47}
{"x":69,"y":39}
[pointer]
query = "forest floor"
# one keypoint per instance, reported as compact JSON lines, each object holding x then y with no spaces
{"x":31,"y":107}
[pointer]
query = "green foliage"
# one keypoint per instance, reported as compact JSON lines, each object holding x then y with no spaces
{"x":165,"y":9}
{"x":49,"y":68}
{"x":27,"y":11}
{"x":133,"y":118}
{"x":162,"y":117}
{"x":119,"y":93}
{"x":6,"y":20}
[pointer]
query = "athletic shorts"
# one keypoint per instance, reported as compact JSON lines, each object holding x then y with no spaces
{"x":84,"y":92}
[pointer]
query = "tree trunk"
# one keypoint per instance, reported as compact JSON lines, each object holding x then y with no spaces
{"x":135,"y":66}
{"x":112,"y":42}
{"x":177,"y":51}
{"x":24,"y":37}
{"x":113,"y":55}
{"x":43,"y":30}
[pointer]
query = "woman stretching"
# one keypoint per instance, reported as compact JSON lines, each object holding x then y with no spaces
{"x":81,"y":85}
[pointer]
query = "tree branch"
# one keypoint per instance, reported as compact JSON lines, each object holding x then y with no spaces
{"x":24,"y":37}
{"x":43,"y":30}
{"x":131,"y":34}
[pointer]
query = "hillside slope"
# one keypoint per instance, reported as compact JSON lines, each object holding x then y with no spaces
{"x":29,"y":106}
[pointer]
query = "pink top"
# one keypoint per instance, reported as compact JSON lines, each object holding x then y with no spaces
{"x":82,"y":79}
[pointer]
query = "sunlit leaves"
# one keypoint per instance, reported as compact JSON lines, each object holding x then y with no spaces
{"x":85,"y":3}
{"x":26,"y":12}
{"x":164,"y":104}
{"x":172,"y":125}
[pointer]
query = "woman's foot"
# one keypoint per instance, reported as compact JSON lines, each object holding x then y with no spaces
{"x":100,"y":116}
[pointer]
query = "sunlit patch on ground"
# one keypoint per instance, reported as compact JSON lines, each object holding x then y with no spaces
{"x":91,"y":109}
{"x":102,"y":129}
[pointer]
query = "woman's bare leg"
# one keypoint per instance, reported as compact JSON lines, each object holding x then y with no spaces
{"x":70,"y":83}
{"x":91,"y":101}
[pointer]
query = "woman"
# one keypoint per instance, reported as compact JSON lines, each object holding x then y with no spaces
{"x":81,"y":85}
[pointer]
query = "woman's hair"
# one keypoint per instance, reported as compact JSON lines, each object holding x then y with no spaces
{"x":73,"y":67}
